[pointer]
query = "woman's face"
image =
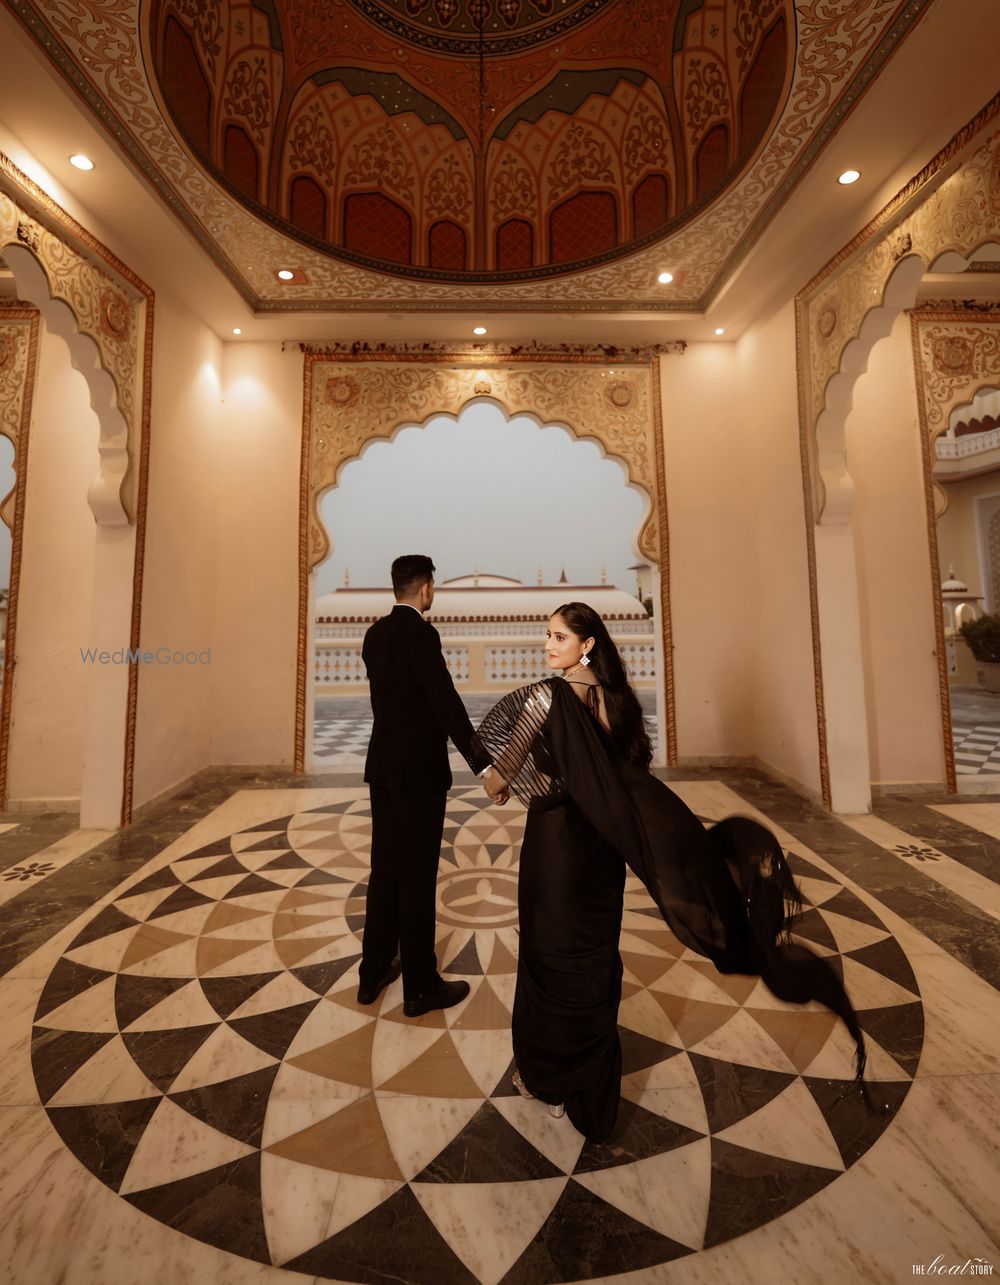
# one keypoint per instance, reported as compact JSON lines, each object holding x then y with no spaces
{"x":563,"y":648}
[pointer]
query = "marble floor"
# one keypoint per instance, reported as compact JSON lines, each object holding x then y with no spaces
{"x":975,"y":719}
{"x":189,"y":1091}
{"x":342,"y":726}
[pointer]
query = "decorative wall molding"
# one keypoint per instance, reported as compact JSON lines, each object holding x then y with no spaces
{"x":19,"y":327}
{"x":953,"y":205}
{"x":106,"y":306}
{"x":349,"y":402}
{"x":472,"y":352}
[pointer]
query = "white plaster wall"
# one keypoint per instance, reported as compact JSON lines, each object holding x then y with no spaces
{"x":712,"y":571}
{"x":173,"y":719}
{"x":57,"y":560}
{"x":780,"y":658}
{"x":256,"y":573}
{"x":896,"y":601}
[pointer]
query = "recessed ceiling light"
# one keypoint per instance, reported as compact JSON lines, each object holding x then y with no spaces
{"x":849,"y":176}
{"x":665,"y":278}
{"x":286,"y":274}
{"x":479,"y":330}
{"x":720,"y":330}
{"x":237,"y":330}
{"x":81,"y":162}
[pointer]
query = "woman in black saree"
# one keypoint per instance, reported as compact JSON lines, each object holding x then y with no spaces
{"x":575,"y":751}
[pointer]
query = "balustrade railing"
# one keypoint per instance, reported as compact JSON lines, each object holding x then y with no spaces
{"x":477,"y":665}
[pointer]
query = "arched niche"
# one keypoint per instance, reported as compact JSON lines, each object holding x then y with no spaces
{"x":104,"y":314}
{"x":351,"y":401}
{"x":855,"y":300}
{"x":944,"y":215}
{"x":101,"y":314}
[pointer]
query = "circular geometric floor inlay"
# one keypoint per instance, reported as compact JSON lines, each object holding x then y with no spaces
{"x":200,"y":1049}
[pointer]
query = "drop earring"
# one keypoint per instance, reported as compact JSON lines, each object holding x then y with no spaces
{"x":584,"y":659}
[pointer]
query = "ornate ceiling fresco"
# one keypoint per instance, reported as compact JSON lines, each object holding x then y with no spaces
{"x":432,"y":154}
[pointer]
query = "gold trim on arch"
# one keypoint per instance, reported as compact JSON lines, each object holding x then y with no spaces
{"x":941,"y":388}
{"x":88,"y":277}
{"x":351,"y":400}
{"x":18,"y":430}
{"x":920,"y":220}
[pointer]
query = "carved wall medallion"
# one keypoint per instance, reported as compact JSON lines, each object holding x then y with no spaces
{"x":953,"y":354}
{"x":827,"y":322}
{"x":342,"y":391}
{"x":620,"y":394}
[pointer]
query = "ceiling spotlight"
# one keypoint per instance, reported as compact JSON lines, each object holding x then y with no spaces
{"x":81,"y":162}
{"x":479,"y":330}
{"x":286,"y":274}
{"x":720,"y":330}
{"x":237,"y":330}
{"x":665,"y":278}
{"x":848,"y":177}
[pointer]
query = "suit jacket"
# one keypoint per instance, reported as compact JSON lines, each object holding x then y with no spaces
{"x":415,"y":706}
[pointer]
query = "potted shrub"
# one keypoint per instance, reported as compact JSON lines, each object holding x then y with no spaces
{"x":983,"y":639}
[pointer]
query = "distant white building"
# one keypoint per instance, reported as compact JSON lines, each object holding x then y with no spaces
{"x":493,"y":627}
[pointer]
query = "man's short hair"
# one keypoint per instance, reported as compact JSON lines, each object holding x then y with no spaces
{"x":409,"y":572}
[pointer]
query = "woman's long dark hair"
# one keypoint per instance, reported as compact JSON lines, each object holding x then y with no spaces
{"x":628,"y":731}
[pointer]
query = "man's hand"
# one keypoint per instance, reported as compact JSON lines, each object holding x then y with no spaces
{"x":495,"y":786}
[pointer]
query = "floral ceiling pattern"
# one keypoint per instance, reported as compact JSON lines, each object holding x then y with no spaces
{"x":505,"y":153}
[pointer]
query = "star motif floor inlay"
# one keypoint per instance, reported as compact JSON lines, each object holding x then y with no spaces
{"x":199,"y":1047}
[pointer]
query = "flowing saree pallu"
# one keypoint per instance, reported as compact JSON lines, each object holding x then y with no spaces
{"x":726,"y":892}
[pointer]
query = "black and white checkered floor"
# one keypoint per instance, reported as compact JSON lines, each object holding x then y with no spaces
{"x":977,"y":749}
{"x":341,"y":727}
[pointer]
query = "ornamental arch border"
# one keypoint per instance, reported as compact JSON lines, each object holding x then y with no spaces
{"x":353,"y":399}
{"x":104,"y":312}
{"x":948,"y":211}
{"x":941,"y":389}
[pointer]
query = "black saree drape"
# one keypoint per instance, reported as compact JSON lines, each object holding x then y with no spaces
{"x":726,"y":892}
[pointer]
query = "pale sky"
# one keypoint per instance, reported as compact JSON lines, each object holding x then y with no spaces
{"x":502,"y":496}
{"x":487,"y":493}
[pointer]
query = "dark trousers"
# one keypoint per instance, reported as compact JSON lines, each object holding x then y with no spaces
{"x":402,"y":890}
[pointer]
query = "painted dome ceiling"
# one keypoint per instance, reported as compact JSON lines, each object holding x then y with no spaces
{"x":494,"y":155}
{"x":484,"y":140}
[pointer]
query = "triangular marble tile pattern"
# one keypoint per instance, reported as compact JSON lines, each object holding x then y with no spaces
{"x":399,"y":1130}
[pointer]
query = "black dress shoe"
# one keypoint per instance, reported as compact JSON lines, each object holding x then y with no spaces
{"x":446,"y":996}
{"x":370,"y":993}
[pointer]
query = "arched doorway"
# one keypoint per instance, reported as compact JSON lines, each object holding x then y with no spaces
{"x":940,"y":221}
{"x":102,"y":315}
{"x":352,"y":401}
{"x":518,"y":518}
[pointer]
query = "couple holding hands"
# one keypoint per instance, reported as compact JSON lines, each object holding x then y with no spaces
{"x":574,"y":750}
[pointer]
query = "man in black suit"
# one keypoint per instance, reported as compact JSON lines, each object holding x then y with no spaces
{"x":416,"y":709}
